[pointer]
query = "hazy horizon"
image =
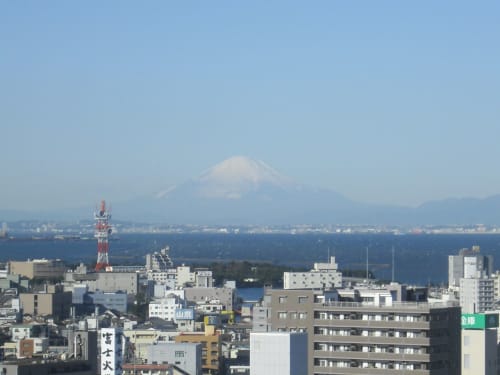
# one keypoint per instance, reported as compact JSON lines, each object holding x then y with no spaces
{"x":383,"y":102}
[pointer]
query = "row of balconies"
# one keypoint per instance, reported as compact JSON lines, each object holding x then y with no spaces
{"x":381,"y":340}
{"x":345,"y":331}
{"x":387,"y":356}
{"x":376,"y":324}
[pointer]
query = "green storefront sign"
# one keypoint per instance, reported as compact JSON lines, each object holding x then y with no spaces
{"x":479,"y":321}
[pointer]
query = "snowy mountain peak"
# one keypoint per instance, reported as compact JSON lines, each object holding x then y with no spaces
{"x":242,"y":169}
{"x":238,"y":175}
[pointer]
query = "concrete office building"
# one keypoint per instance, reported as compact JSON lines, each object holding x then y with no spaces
{"x":117,"y":281}
{"x":110,"y":300}
{"x":278,"y":353}
{"x":226,"y":296}
{"x":479,"y":344}
{"x":165,"y":308}
{"x":368,"y":337}
{"x":38,"y":268}
{"x":167,"y":279}
{"x":104,"y":281}
{"x":469,"y":263}
{"x":186,"y":356}
{"x":53,"y":302}
{"x":323,"y":275}
{"x":477,"y":295}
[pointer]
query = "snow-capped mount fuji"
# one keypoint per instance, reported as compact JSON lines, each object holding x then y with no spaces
{"x":242,"y":190}
{"x":234,"y":178}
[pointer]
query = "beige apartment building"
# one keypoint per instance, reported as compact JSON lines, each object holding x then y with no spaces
{"x":377,"y":337}
{"x":211,"y":347}
{"x":53,"y":302}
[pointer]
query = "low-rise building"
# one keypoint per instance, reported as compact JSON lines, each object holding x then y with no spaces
{"x":186,"y":356}
{"x":323,"y":275}
{"x":210,"y":341}
{"x":38,"y":268}
{"x":165,"y":308}
{"x":224,"y":296}
{"x":44,"y":367}
{"x":152,"y":369}
{"x":52,"y":302}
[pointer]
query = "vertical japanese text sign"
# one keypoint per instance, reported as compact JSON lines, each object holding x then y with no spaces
{"x":111,"y":351}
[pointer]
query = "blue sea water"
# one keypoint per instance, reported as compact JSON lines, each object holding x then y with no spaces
{"x":418,"y":259}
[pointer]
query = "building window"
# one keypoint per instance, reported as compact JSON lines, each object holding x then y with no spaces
{"x":282,"y":315}
{"x":303,"y":299}
{"x":466,"y":340}
{"x":302,"y":315}
{"x":282,"y":299}
{"x":466,"y":360}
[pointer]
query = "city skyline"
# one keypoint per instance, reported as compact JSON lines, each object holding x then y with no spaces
{"x":385,"y":103}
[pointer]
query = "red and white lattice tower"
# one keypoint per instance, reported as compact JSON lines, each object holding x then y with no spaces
{"x":102,"y":232}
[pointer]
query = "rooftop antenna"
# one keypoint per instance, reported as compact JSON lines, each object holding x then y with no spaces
{"x":367,"y":274}
{"x":393,"y":264}
{"x":102,"y":232}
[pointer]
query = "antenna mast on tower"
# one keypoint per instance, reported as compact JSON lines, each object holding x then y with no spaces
{"x":102,"y":232}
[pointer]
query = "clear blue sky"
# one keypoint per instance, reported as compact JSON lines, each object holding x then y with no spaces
{"x":383,"y":101}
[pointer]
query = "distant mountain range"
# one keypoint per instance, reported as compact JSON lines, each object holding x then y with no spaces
{"x":245,"y":191}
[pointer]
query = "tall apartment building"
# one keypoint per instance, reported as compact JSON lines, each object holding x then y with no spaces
{"x":323,"y":275}
{"x":371,"y":337}
{"x":477,"y":295}
{"x":469,"y":263}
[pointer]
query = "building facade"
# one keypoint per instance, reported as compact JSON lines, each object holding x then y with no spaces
{"x":371,"y":338}
{"x":56,"y":304}
{"x":211,"y":352}
{"x":323,"y":275}
{"x":477,"y":295}
{"x":38,"y":268}
{"x":479,"y":344}
{"x":469,"y":263}
{"x":186,"y":356}
{"x":278,"y":353}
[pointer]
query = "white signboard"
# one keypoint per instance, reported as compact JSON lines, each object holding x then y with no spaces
{"x":111,"y":351}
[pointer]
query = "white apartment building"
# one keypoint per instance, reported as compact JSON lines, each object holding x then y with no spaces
{"x":477,"y":295}
{"x":165,"y":308}
{"x":323,"y":275}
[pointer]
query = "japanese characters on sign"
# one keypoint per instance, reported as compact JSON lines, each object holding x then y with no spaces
{"x":111,"y":351}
